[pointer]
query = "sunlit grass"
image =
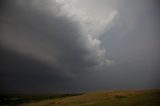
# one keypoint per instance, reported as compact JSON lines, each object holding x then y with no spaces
{"x":110,"y":98}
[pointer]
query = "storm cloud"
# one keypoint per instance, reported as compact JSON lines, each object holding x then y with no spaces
{"x":42,"y":31}
{"x":72,"y":45}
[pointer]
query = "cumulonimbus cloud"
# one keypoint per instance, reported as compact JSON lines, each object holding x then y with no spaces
{"x":60,"y":37}
{"x":55,"y":45}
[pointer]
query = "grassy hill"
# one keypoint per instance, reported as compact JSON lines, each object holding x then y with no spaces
{"x":110,"y":98}
{"x":17,"y":99}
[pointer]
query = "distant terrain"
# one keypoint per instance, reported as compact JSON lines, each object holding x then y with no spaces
{"x":105,"y":98}
{"x":19,"y":99}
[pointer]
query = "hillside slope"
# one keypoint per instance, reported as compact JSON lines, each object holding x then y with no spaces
{"x":110,"y":98}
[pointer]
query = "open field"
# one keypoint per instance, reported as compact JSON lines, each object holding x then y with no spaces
{"x":18,"y":99}
{"x":110,"y":98}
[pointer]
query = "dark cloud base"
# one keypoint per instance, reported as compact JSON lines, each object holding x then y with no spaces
{"x":20,"y":73}
{"x":50,"y":38}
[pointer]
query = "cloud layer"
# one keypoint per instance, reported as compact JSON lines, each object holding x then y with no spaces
{"x":49,"y":32}
{"x":44,"y":30}
{"x":76,"y":45}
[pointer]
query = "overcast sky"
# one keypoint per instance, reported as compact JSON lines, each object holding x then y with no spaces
{"x":78,"y":46}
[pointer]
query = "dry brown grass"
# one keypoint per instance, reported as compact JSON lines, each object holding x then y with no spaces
{"x":111,"y":98}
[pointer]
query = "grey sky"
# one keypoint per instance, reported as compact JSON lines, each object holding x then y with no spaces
{"x":75,"y":45}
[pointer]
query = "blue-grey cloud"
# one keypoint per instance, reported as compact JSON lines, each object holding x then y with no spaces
{"x":51,"y":45}
{"x":43,"y":40}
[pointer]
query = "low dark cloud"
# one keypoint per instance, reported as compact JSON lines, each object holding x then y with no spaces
{"x":44,"y":48}
{"x":20,"y":72}
{"x":41,"y":45}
